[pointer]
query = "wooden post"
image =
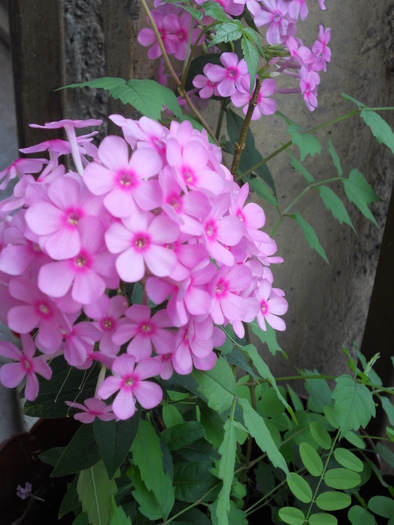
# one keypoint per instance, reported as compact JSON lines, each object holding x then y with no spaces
{"x":37,"y":46}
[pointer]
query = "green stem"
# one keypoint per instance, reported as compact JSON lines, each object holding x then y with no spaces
{"x":313,"y":185}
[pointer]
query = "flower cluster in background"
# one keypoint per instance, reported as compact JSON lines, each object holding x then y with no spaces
{"x":157,"y":208}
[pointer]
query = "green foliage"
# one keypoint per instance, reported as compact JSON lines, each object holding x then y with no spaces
{"x":306,"y":143}
{"x":359,"y":516}
{"x":333,"y":500}
{"x":183,"y":435}
{"x":119,"y":517}
{"x":382,"y":506}
{"x":299,"y":487}
{"x":146,"y":96}
{"x":334,"y":204}
{"x":341,"y":478}
{"x":301,"y":169}
{"x":95,"y":493}
{"x":360,"y":193}
{"x":311,"y":459}
{"x":379,"y":127}
{"x":310,"y":235}
{"x":226,"y":471}
{"x":292,"y":516}
{"x":217,"y":385}
{"x":347,"y":459}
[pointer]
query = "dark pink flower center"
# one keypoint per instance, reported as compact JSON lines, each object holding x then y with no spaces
{"x":146,"y":328}
{"x":141,"y":242}
{"x":221,"y":287}
{"x":182,"y":35}
{"x":107,"y":323}
{"x":188,"y":175}
{"x":27,"y":365}
{"x":277,"y":16}
{"x":44,"y":309}
{"x":126,"y":179}
{"x":264,"y":307}
{"x":80,"y":261}
{"x":73,"y":216}
{"x":211,"y":229}
{"x":233,"y":73}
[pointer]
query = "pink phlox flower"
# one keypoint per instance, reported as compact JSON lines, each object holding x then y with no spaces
{"x":79,"y":340}
{"x":6,"y":300}
{"x":322,"y":6}
{"x":91,"y":409}
{"x":58,"y":219}
{"x":129,"y":381}
{"x":228,"y":303}
{"x":146,"y":333}
{"x":142,"y":240}
{"x":298,"y":8}
{"x":309,"y":91}
{"x":266,"y":250}
{"x":251,"y":215}
{"x":178,"y":29}
{"x":147,"y":37}
{"x":167,"y":368}
{"x":264,"y":104}
{"x":123,"y":181}
{"x":273,"y":14}
{"x":271,"y":304}
{"x":88,"y":272}
{"x":310,"y":65}
{"x":19,"y":168}
{"x":221,"y":230}
{"x":207,"y":87}
{"x":12,"y":374}
{"x":320,"y":47}
{"x":36,"y":310}
{"x":229,"y":77}
{"x":107,"y":317}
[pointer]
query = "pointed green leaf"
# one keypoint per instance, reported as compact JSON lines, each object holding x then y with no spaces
{"x":351,"y":99}
{"x":332,"y":500}
{"x":354,"y":405}
{"x":259,"y":431}
{"x":321,"y":518}
{"x":262,"y":190}
{"x":226,"y":471}
{"x":147,"y":501}
{"x":119,"y":517}
{"x":335,"y":158}
{"x":215,"y":11}
{"x":192,"y":480}
{"x":334,"y":204}
{"x":236,"y":516}
{"x":319,"y":392}
{"x":251,"y":56}
{"x":95,"y":493}
{"x":341,"y":478}
{"x":82,"y":519}
{"x":310,"y":236}
{"x":183,"y":435}
{"x":114,"y":439}
{"x":267,"y":337}
{"x":359,"y":516}
{"x":311,"y":459}
{"x":292,"y":515}
{"x":382,"y":506}
{"x":172,"y":416}
{"x":217,"y":385}
{"x":379,"y":127}
{"x":227,"y":32}
{"x":213,"y":424}
{"x":307,"y":144}
{"x":360,"y":193}
{"x":299,"y":487}
{"x":79,"y":454}
{"x":301,"y":169}
{"x":70,"y":501}
{"x":320,"y":435}
{"x":347,"y":459}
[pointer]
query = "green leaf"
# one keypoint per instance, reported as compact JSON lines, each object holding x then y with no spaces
{"x":114,"y":439}
{"x":347,"y":459}
{"x":262,"y":190}
{"x":217,"y":385}
{"x":186,"y":7}
{"x":334,"y":204}
{"x":95,"y":493}
{"x":213,"y":424}
{"x":215,"y":11}
{"x":267,"y":337}
{"x":319,"y":392}
{"x":270,"y":405}
{"x":379,"y":127}
{"x":146,"y":96}
{"x":359,"y":516}
{"x":226,"y":471}
{"x":81,"y":519}
{"x":341,"y":478}
{"x":192,"y":480}
{"x":321,"y":518}
{"x":259,"y":431}
{"x":79,"y":454}
{"x":227,"y":32}
{"x":51,"y":456}
{"x":332,"y":500}
{"x":119,"y":517}
{"x":299,"y":487}
{"x":183,"y":435}
{"x":385,"y":454}
{"x":147,"y":501}
{"x":147,"y":455}
{"x":351,"y":99}
{"x":292,"y":515}
{"x":335,"y":158}
{"x":382,"y":506}
{"x":236,"y":516}
{"x":354,"y":405}
{"x":171,"y":416}
{"x":311,"y":459}
{"x":300,"y":168}
{"x":310,"y":235}
{"x":251,"y":56}
{"x":360,"y":193}
{"x":70,"y":501}
{"x":355,"y":440}
{"x":307,"y":144}
{"x":330,"y":416}
{"x":320,"y":435}
{"x":388,"y":408}
{"x":66,"y":384}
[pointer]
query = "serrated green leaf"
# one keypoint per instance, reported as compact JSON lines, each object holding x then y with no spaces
{"x":267,"y":337}
{"x":310,"y":236}
{"x":335,"y":158}
{"x":382,"y":506}
{"x":321,"y":518}
{"x":259,"y":431}
{"x":262,"y":190}
{"x":292,"y":515}
{"x":95,"y":493}
{"x":186,"y":7}
{"x":360,"y":193}
{"x":227,"y":32}
{"x":236,"y":516}
{"x":217,"y":385}
{"x":334,"y":204}
{"x":183,"y":435}
{"x":253,"y":35}
{"x":347,"y":459}
{"x":79,"y":454}
{"x":147,"y":96}
{"x":147,"y":501}
{"x":333,"y":500}
{"x":319,"y":392}
{"x":359,"y":516}
{"x":192,"y":480}
{"x":171,"y":416}
{"x":226,"y":472}
{"x":119,"y":517}
{"x":70,"y":501}
{"x":311,"y":459}
{"x":81,"y":519}
{"x":307,"y":144}
{"x":215,"y":11}
{"x":379,"y":127}
{"x":354,"y":405}
{"x":299,"y":487}
{"x":301,"y":169}
{"x":341,"y":478}
{"x":251,"y":56}
{"x":320,"y":435}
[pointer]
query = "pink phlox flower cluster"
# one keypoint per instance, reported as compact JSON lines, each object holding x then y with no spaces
{"x":157,"y":208}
